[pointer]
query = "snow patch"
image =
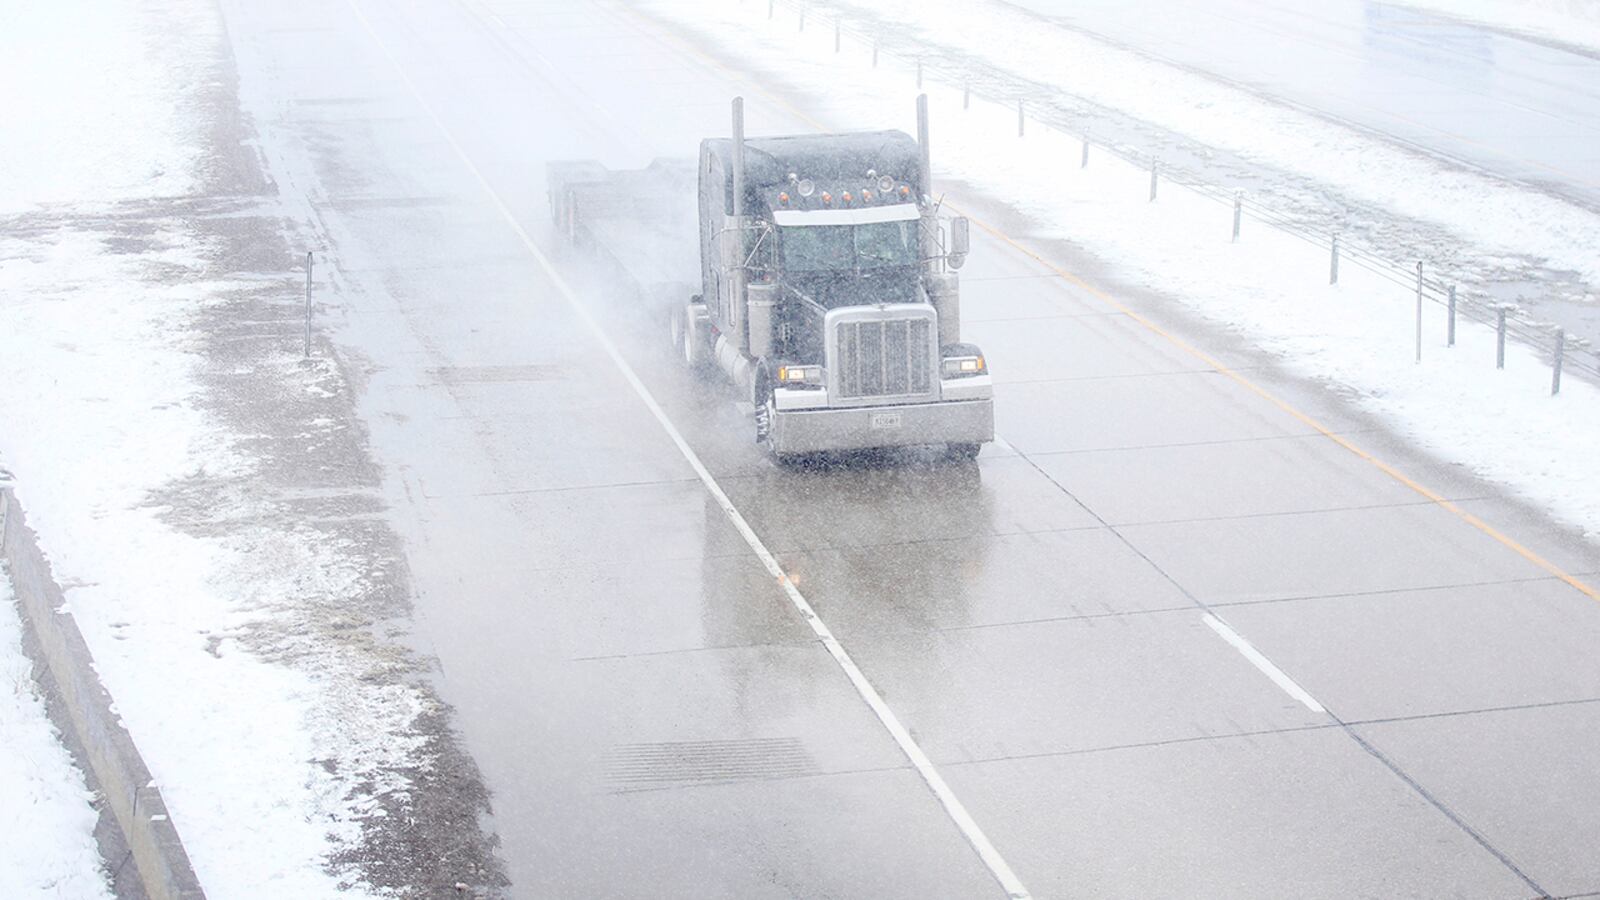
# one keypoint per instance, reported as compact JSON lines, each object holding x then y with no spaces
{"x":1570,"y":22}
{"x":100,"y":413}
{"x":92,"y":104}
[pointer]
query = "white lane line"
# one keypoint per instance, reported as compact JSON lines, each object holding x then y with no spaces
{"x":1265,"y":665}
{"x":919,"y":760}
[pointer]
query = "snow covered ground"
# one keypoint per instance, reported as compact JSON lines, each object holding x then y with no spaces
{"x":48,"y":828}
{"x":1569,"y":22}
{"x":1271,"y":287}
{"x":1502,"y":226}
{"x":199,"y":489}
{"x":107,"y":122}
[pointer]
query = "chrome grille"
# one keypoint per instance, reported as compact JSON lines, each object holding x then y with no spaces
{"x":884,"y":358}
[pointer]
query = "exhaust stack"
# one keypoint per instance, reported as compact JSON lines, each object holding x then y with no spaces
{"x":738,"y":157}
{"x":925,"y":176}
{"x":942,"y":285}
{"x":733,"y":240}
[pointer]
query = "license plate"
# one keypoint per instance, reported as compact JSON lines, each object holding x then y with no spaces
{"x":885,"y":420}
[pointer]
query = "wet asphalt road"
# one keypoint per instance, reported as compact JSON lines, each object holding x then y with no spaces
{"x":1516,"y":107}
{"x":655,"y":718}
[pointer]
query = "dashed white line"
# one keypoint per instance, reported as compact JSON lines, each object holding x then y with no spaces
{"x":919,"y":760}
{"x":1277,"y":675}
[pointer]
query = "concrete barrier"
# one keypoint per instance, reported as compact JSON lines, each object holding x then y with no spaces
{"x":114,"y":765}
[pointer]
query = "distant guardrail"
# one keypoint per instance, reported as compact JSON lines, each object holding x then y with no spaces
{"x":1563,"y":352}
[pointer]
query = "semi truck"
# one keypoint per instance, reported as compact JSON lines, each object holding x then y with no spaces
{"x":826,"y":288}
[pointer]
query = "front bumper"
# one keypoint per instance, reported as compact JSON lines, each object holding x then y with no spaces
{"x":861,"y":427}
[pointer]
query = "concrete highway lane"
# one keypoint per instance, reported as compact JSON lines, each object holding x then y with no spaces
{"x":1169,"y":638}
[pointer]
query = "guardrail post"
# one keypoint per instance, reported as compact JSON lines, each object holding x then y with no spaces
{"x":1419,"y":310}
{"x":1450,"y":321}
{"x":1333,"y":261}
{"x":1085,"y":163}
{"x":770,"y":5}
{"x":1555,"y":369}
{"x":1238,"y":213}
{"x":919,"y":74}
{"x":802,"y":18}
{"x":874,"y":54}
{"x":1153,"y":165}
{"x":1021,"y":119}
{"x":308,"y":304}
{"x":966,"y":96}
{"x":1500,"y":339}
{"x":836,"y":35}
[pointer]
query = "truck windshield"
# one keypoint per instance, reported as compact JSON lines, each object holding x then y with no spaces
{"x":813,"y":248}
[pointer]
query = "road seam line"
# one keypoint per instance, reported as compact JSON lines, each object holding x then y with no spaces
{"x":957,"y":812}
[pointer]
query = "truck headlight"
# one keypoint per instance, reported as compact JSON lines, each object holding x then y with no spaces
{"x":964,"y":366}
{"x":800,"y":376}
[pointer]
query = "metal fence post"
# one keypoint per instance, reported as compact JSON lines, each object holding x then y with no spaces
{"x":836,"y":35}
{"x":1085,"y":163}
{"x":966,"y":96}
{"x":1555,"y":370}
{"x":770,"y":5}
{"x":1238,"y":213}
{"x":874,"y":54}
{"x":919,"y":74}
{"x":1420,"y":311}
{"x":1021,"y":119}
{"x":1500,"y":339}
{"x":1333,"y":261}
{"x":1153,"y":165}
{"x":308,"y":304}
{"x":1450,"y":321}
{"x":802,"y":18}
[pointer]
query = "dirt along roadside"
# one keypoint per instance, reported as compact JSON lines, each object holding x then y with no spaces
{"x":204,"y":491}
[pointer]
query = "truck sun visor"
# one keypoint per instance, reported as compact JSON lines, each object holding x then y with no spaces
{"x":866,"y":215}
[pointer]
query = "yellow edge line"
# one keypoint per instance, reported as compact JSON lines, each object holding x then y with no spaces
{"x":1425,"y":491}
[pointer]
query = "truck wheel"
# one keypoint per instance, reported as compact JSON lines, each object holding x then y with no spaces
{"x":688,"y":338}
{"x":690,"y":357}
{"x":762,"y":400}
{"x":675,"y":329}
{"x":683,"y":338}
{"x":963,"y":452}
{"x":764,"y":414}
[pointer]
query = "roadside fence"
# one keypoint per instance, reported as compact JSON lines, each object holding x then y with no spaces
{"x":1415,"y":277}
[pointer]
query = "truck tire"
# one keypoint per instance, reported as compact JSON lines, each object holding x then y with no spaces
{"x":765,"y":408}
{"x":675,"y":330}
{"x":761,"y":401}
{"x":690,"y":339}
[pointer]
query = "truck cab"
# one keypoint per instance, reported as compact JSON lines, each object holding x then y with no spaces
{"x":827,"y":284}
{"x":830,"y":292}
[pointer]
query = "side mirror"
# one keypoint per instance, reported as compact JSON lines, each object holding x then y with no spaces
{"x":960,"y":242}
